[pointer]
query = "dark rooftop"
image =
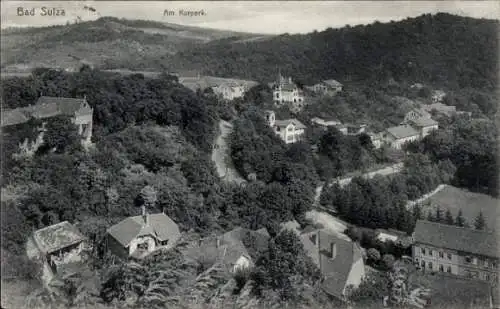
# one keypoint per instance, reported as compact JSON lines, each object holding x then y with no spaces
{"x":456,"y":238}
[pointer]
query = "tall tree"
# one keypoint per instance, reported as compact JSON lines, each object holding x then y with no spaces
{"x":460,"y":220}
{"x":449,"y":218}
{"x":439,"y":214}
{"x":479,"y":222}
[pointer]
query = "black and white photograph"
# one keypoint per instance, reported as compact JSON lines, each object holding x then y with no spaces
{"x":250,"y":154}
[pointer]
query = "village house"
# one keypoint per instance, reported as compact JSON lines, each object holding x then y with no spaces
{"x":138,"y":236}
{"x":376,"y":139}
{"x":228,"y":249}
{"x":59,"y":247}
{"x":355,"y":129}
{"x":327,"y":87}
{"x":229,"y":91}
{"x":443,"y":109}
{"x":339,"y":260}
{"x":47,"y":107}
{"x":325,"y":123}
{"x":289,"y":130}
{"x":397,"y":136}
{"x":285,"y":91}
{"x":464,"y":252}
{"x":424,"y":126}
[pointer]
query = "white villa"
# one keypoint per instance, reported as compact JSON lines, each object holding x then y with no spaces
{"x":229,"y":91}
{"x":289,"y":130}
{"x":285,"y":91}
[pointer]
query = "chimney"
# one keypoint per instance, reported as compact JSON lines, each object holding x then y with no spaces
{"x":333,"y":250}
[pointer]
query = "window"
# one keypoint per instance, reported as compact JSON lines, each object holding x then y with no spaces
{"x":423,"y":264}
{"x":430,"y":252}
{"x":430,"y":265}
{"x":441,"y":268}
{"x":486,"y":264}
{"x":441,"y":255}
{"x":448,"y":269}
{"x":423,"y":251}
{"x":487,"y":277}
{"x":474,"y":261}
{"x":290,"y":129}
{"x":449,"y":256}
{"x":468,"y":259}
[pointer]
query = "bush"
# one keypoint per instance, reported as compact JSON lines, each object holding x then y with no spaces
{"x":373,"y":255}
{"x":388,"y":261}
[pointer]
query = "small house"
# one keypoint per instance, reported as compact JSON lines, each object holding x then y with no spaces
{"x":424,"y":126}
{"x":229,"y":91}
{"x":339,"y":260}
{"x":227,"y":249}
{"x":60,"y":246}
{"x":399,"y":135}
{"x":289,"y":130}
{"x":138,"y":236}
{"x":326,"y":87}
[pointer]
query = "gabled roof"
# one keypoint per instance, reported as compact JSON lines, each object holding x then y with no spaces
{"x":46,"y":107}
{"x":402,"y":131}
{"x":227,"y":248}
{"x":424,"y":122}
{"x":422,"y":112}
{"x":335,"y":270}
{"x":332,"y":83}
{"x":159,"y":226}
{"x":56,"y":237}
{"x":441,"y":108}
{"x":286,"y":122}
{"x":14,"y":116}
{"x":456,"y":238}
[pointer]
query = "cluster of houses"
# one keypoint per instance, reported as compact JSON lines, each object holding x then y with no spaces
{"x":45,"y":108}
{"x":436,"y":248}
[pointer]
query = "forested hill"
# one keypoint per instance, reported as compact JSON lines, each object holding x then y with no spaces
{"x":443,"y":49}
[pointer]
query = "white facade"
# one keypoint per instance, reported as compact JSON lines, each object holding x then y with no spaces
{"x":289,"y":133}
{"x":145,"y":243}
{"x":397,"y":143}
{"x":242,"y":263}
{"x":356,"y":274}
{"x":229,"y":92}
{"x":285,"y":91}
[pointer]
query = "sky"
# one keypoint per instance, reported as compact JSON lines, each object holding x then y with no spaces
{"x":267,"y":17}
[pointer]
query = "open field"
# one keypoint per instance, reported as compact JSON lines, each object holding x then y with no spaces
{"x":471,"y":203}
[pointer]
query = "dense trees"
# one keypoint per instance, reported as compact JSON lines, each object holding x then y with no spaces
{"x":284,"y":267}
{"x":469,"y":145}
{"x":119,"y":101}
{"x":428,"y":48}
{"x":380,"y":202}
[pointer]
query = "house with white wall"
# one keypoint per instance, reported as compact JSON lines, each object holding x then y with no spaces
{"x":286,"y":92}
{"x":138,"y":236}
{"x":397,"y":136}
{"x":229,"y":91}
{"x":327,"y":87}
{"x":289,"y":130}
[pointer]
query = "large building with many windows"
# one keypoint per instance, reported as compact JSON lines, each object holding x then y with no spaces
{"x":455,"y":250}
